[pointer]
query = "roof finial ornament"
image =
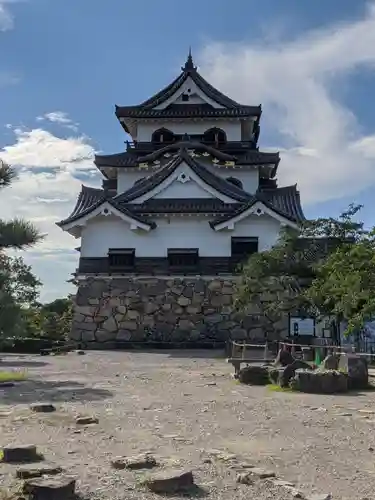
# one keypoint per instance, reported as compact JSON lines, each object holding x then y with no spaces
{"x":189,"y":65}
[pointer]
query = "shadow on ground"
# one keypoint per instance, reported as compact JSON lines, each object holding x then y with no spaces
{"x":32,"y":391}
{"x":20,"y":363}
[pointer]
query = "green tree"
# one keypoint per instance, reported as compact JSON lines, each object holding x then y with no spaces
{"x":52,"y":320}
{"x":277,"y":282}
{"x":18,"y":286}
{"x":15,"y":233}
{"x":19,"y":289}
{"x":345,"y":282}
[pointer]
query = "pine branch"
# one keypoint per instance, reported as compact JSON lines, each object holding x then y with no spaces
{"x":7,"y":174}
{"x":18,"y":234}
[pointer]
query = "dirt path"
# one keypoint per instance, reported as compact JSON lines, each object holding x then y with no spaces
{"x":179,"y":405}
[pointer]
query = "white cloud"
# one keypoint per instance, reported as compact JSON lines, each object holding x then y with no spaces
{"x":6,"y":17}
{"x":320,"y":139}
{"x":61,"y":118}
{"x":45,"y":192}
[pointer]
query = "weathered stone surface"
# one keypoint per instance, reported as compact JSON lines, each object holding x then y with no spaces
{"x":283,"y":358}
{"x":261,"y":473}
{"x":20,"y":454}
{"x":357,"y":369}
{"x":170,"y":481}
{"x":38,"y":471}
{"x":190,"y":309}
{"x":320,"y":496}
{"x":287,"y":373}
{"x":330,"y":362}
{"x":50,"y":488}
{"x":144,"y":461}
{"x":254,"y":375}
{"x":42,"y":408}
{"x":320,"y":382}
{"x":245,"y":478}
{"x":86,"y":420}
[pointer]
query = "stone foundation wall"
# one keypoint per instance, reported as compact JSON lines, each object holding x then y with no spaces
{"x":189,"y":310}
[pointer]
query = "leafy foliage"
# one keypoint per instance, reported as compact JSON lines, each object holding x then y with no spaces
{"x":19,"y":289}
{"x":15,"y":233}
{"x":325,"y":269}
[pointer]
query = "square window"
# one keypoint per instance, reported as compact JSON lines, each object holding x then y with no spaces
{"x":183,"y":257}
{"x":120,"y":258}
{"x":242,"y":247}
{"x":185,"y":97}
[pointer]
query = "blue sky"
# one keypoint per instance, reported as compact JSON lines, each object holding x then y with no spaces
{"x":64,"y":65}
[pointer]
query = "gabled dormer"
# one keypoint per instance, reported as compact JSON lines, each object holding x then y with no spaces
{"x":190,"y":105}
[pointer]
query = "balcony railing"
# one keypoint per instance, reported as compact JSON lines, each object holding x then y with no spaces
{"x":226,"y":147}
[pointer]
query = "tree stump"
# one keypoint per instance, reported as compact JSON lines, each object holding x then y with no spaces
{"x":42,"y":408}
{"x":50,"y":488}
{"x":255,"y":375}
{"x":19,"y":454}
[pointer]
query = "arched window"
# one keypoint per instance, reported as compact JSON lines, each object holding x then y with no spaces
{"x":235,"y":181}
{"x":163,"y":135}
{"x":215,"y":136}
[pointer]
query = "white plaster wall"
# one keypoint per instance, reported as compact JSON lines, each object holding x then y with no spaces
{"x":231,"y":128}
{"x":249,"y":178}
{"x":103,"y":233}
{"x":126,"y":179}
{"x":197,"y":96}
{"x":194,"y":188}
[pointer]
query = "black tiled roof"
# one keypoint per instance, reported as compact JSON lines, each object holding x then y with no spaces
{"x":184,"y":205}
{"x":91,"y":198}
{"x":145,"y":109}
{"x":131,"y":158}
{"x":285,"y":201}
{"x":148,"y":183}
{"x":187,"y":111}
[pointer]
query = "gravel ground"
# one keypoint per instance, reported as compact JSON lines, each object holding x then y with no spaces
{"x":180,"y":405}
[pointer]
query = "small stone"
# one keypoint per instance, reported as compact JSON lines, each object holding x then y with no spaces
{"x":50,"y":488}
{"x":81,"y":353}
{"x":32,"y":472}
{"x":170,"y":481}
{"x":320,"y":496}
{"x":245,"y":478}
{"x":42,"y":408}
{"x":262,"y":473}
{"x":367,"y":412}
{"x":86,"y":420}
{"x":344,"y":414}
{"x":370,"y":448}
{"x":20,"y":454}
{"x":144,"y":461}
{"x":281,"y":482}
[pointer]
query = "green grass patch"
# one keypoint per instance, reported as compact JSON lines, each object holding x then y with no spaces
{"x":277,"y":388}
{"x":12,"y":376}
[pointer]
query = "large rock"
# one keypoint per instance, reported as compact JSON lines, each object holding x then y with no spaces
{"x":170,"y":481}
{"x":330,"y":362}
{"x":283,"y":358}
{"x":254,"y":375}
{"x":50,"y":488}
{"x":20,"y":454}
{"x":144,"y":461}
{"x":357,"y":369}
{"x":320,"y":382}
{"x":287,"y":373}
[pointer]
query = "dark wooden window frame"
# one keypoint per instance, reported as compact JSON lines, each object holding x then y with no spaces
{"x":243,"y":246}
{"x":121,"y":258}
{"x":183,"y":258}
